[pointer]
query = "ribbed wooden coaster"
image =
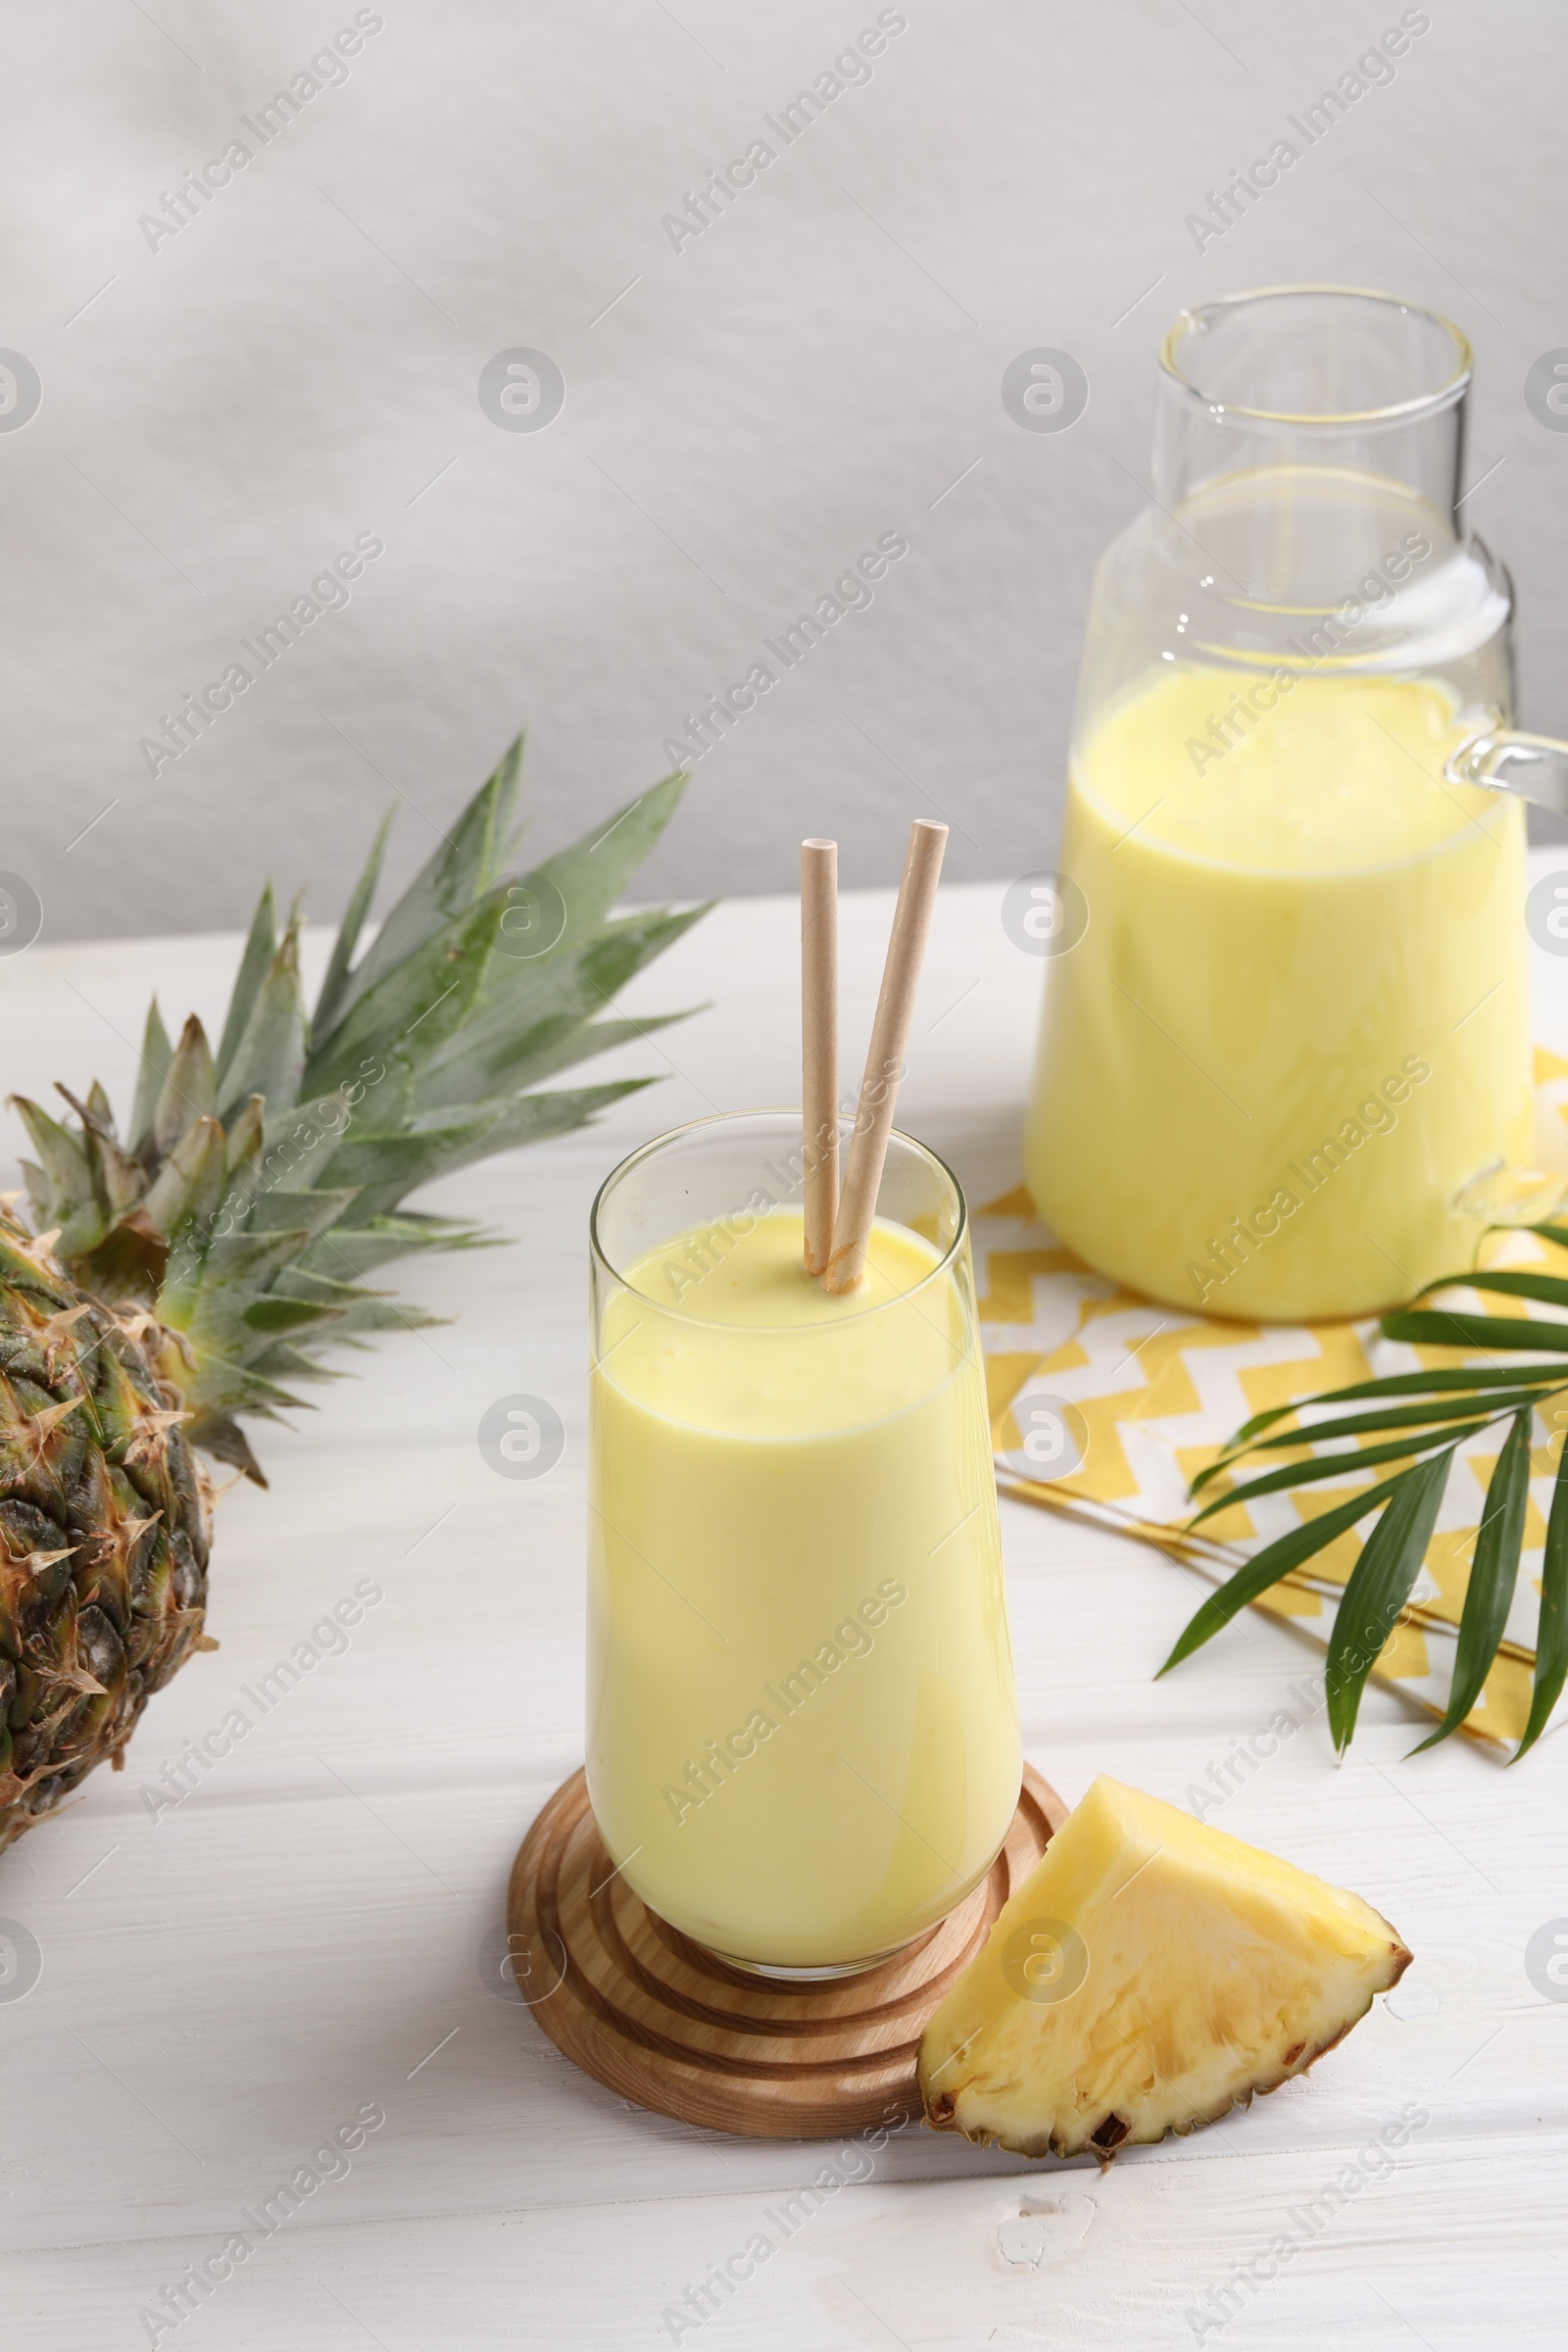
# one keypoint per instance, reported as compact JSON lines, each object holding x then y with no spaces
{"x":659,"y":2021}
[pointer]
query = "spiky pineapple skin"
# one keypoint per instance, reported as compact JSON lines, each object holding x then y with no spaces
{"x":103,"y":1533}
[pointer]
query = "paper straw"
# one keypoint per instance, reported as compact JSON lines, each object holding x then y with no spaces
{"x":819,"y":1044}
{"x":884,"y":1064}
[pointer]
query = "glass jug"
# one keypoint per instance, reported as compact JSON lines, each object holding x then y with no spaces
{"x":1284,"y":1056}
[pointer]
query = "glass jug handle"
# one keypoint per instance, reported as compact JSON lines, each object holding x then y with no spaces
{"x":1534,"y":768}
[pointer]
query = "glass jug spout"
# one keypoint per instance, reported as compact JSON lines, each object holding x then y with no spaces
{"x":1307,"y":510}
{"x":1534,"y":768}
{"x":1306,"y":394}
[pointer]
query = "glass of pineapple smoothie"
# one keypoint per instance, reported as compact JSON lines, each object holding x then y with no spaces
{"x":803,"y":1730}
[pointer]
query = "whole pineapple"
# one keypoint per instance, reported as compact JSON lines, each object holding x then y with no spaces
{"x":188,"y":1274}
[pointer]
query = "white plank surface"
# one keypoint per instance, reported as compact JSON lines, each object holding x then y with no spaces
{"x":306,"y":1933}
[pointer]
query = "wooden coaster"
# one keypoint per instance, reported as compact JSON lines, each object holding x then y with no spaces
{"x":659,"y":2021}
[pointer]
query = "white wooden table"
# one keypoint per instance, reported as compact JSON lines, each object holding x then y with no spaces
{"x":314,"y":1931}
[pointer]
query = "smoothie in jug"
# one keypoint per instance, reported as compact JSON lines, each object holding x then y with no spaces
{"x":1293,"y":1036}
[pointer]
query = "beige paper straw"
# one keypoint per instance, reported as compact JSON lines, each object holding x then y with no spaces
{"x":819,"y":1044}
{"x":884,"y":1063}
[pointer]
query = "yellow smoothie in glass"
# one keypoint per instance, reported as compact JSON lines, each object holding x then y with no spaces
{"x":803,"y":1740}
{"x":1296,"y":1029}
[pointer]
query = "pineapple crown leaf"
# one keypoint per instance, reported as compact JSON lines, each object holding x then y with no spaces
{"x":348,"y":936}
{"x":262,"y":1182}
{"x":268,"y":1056}
{"x":67,"y":1174}
{"x":259,"y":946}
{"x":418,"y":1004}
{"x":446,"y":888}
{"x":156,"y":1056}
{"x":188,"y":1092}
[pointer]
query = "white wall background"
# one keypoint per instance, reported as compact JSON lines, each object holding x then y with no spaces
{"x":221,"y":415}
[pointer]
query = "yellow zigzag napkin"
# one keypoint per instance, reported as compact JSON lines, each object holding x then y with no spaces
{"x":1106,"y":1405}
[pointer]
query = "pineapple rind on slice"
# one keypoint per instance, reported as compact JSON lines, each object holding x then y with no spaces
{"x":1151,"y":1973}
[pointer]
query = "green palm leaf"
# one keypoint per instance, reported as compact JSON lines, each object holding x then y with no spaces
{"x":1440,"y":1329}
{"x":1377,"y":1587}
{"x":1336,"y":1465}
{"x":1513,"y":1282}
{"x":1268,"y":1566}
{"x":1440,"y":1407}
{"x":1428,"y":1381}
{"x":1314,"y":1432}
{"x":1551,"y":1634}
{"x":1493,"y":1573}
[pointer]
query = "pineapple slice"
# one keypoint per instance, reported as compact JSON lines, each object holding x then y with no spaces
{"x":1150,"y":1974}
